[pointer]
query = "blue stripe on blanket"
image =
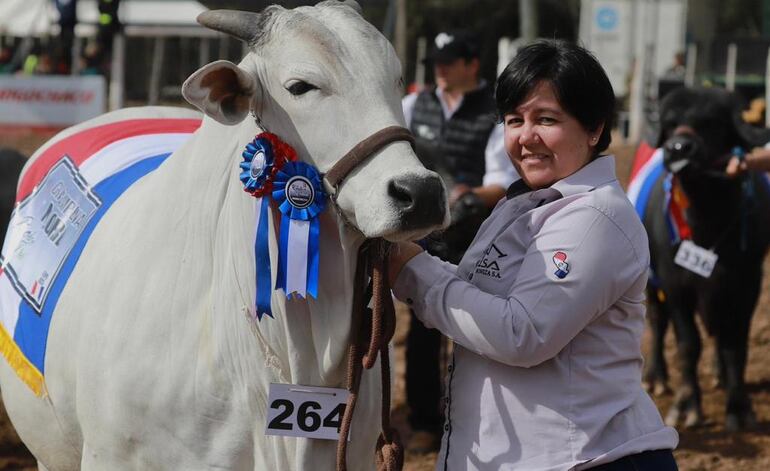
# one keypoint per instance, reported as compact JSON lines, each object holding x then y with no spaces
{"x":646,"y":189}
{"x":31,"y":332}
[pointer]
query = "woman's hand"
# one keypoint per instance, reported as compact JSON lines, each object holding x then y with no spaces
{"x":758,"y":159}
{"x":735,"y":167}
{"x":400,"y":254}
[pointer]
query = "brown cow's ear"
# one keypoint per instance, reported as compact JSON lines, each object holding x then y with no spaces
{"x":222,"y":90}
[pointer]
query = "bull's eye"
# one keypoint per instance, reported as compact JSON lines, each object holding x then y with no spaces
{"x":300,"y":88}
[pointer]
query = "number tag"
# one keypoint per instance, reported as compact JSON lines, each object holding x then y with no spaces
{"x":305,"y":411}
{"x":696,"y":259}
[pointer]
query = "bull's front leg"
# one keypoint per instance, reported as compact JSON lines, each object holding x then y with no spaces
{"x":687,"y":403}
{"x":733,"y":353}
{"x":655,"y":379}
{"x":731,"y":315}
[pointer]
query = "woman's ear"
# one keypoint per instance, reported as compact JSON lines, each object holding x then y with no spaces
{"x":596,"y":134}
{"x":221,"y":90}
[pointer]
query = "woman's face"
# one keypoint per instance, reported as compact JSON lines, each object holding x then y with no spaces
{"x":544,"y":142}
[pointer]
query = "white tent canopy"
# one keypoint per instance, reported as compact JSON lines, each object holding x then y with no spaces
{"x":158,"y":19}
{"x":25,"y":18}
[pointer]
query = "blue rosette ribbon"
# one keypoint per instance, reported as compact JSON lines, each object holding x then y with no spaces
{"x":257,"y":169}
{"x":300,"y":196}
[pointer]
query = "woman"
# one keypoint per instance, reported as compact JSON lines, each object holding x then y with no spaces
{"x":546,"y":308}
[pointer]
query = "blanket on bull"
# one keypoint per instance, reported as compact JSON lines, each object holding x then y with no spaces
{"x":61,"y":198}
{"x":647,"y":168}
{"x":645,"y":171}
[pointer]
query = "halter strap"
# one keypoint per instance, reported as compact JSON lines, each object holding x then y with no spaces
{"x":362,"y":151}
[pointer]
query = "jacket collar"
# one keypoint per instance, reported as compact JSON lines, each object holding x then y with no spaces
{"x":598,"y":172}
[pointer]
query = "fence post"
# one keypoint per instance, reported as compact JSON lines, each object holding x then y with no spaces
{"x":767,"y":90}
{"x":224,"y":47}
{"x":419,"y":67}
{"x":204,"y":53}
{"x":528,"y":20}
{"x":156,"y":72}
{"x":640,"y":86}
{"x":117,"y":78}
{"x":732,"y":58}
{"x":689,"y":68}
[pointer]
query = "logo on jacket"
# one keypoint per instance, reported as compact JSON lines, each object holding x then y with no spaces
{"x":562,"y":267}
{"x":488,"y":265}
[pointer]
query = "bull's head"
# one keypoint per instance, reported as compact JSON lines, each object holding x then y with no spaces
{"x":324,"y":79}
{"x":699,"y":128}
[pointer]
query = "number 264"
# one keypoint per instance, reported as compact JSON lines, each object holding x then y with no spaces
{"x":307,"y":419}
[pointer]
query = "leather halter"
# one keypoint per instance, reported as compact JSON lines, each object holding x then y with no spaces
{"x":362,"y":151}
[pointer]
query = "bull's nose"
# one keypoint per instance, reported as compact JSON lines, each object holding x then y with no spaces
{"x":678,"y":152}
{"x":420,"y":200}
{"x":680,"y":147}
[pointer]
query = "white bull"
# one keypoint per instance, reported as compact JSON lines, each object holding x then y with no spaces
{"x":153,"y":360}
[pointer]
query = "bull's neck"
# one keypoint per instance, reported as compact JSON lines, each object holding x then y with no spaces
{"x":306,"y":340}
{"x":716,"y":211}
{"x":709,"y":195}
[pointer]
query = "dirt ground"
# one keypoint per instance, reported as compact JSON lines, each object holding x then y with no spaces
{"x":706,"y":448}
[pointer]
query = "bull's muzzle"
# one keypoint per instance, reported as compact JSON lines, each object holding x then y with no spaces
{"x":679,"y":151}
{"x":421,"y":201}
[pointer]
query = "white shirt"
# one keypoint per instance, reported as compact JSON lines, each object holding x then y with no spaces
{"x":498,"y":167}
{"x":546,"y":371}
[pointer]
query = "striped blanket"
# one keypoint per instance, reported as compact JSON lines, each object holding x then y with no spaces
{"x":61,"y":198}
{"x":645,"y":171}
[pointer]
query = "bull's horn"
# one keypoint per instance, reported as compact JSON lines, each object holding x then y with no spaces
{"x":240,"y":24}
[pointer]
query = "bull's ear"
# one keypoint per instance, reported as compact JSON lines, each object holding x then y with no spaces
{"x":222,"y":90}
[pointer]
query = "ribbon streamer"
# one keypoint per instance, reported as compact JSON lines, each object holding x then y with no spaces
{"x":262,"y":259}
{"x":300,"y":196}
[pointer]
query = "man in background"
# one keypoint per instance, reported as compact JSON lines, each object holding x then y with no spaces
{"x":457,"y":135}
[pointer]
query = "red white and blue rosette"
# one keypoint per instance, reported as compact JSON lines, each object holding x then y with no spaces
{"x":262,"y":159}
{"x":270,"y":170}
{"x":299,"y":193}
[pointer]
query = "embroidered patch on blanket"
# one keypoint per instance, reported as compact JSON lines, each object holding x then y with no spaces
{"x":60,"y":200}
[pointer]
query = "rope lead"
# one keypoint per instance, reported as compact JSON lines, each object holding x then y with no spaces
{"x":373,"y":329}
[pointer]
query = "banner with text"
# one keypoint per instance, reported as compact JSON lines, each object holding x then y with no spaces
{"x":50,"y":100}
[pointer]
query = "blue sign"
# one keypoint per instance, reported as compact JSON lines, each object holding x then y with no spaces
{"x":607,"y":18}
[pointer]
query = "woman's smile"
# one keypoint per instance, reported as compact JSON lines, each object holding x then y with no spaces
{"x":534,"y":158}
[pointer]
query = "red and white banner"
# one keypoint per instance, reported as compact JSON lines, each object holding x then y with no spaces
{"x":50,"y":101}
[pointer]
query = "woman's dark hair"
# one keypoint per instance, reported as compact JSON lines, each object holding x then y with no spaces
{"x":579,"y":82}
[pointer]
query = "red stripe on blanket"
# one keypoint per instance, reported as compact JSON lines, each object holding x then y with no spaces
{"x":643,"y":154}
{"x":84,"y":144}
